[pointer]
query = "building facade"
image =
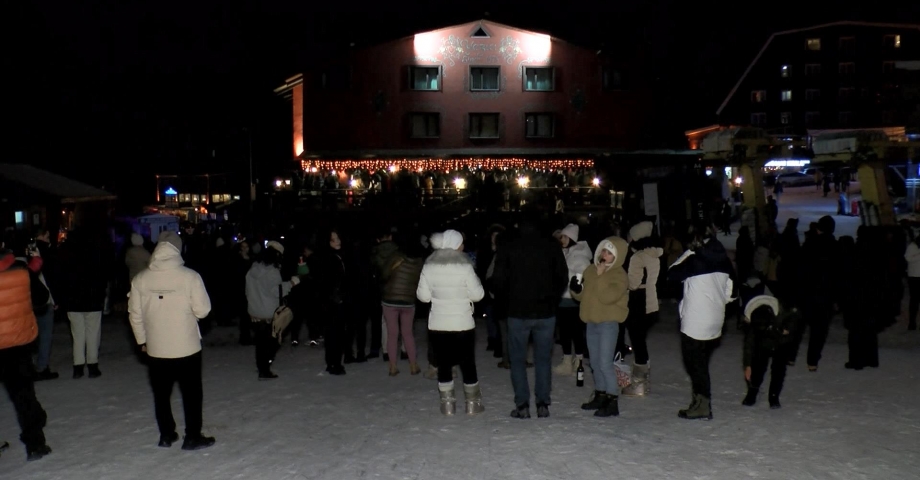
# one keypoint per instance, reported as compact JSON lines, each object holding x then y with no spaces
{"x":843,"y":75}
{"x":479,"y":89}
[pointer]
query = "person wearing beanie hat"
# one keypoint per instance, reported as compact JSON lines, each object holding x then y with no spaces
{"x":821,"y":278}
{"x":136,"y":257}
{"x":449,"y":282}
{"x":571,"y":328}
{"x":18,"y":329}
{"x":165,"y":304}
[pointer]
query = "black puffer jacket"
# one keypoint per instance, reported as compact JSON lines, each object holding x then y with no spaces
{"x":400,"y":279}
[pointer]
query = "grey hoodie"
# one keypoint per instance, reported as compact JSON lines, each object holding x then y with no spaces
{"x":262,"y":283}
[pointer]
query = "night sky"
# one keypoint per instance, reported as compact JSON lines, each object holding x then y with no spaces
{"x":111,"y":92}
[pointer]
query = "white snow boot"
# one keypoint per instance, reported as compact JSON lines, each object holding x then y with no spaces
{"x":473,"y":396}
{"x":448,"y":400}
{"x":639,"y":385}
{"x":567,"y":367}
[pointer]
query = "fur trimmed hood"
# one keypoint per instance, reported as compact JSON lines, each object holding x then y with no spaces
{"x":448,"y":257}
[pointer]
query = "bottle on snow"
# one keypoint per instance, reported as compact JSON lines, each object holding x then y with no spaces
{"x":580,"y":375}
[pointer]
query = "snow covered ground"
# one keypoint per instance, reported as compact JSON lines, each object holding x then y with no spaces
{"x":307,"y":425}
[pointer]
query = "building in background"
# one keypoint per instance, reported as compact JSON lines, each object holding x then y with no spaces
{"x":32,"y":198}
{"x":197,"y":198}
{"x":480,"y":90}
{"x":842,"y":75}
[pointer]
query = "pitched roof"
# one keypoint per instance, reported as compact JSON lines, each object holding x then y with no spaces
{"x":68,"y":190}
{"x":800,"y":30}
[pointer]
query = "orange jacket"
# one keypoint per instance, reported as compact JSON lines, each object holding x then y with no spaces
{"x":17,"y":322}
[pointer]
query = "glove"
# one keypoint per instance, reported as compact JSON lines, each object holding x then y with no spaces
{"x":575,"y":286}
{"x":295,"y":280}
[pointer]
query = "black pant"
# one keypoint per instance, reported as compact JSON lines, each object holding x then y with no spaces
{"x":164,"y":372}
{"x":571,"y":331}
{"x":862,"y":340}
{"x":818,"y":320}
{"x":913,"y":284}
{"x":764,"y":351}
{"x":355,"y":330}
{"x":432,"y":358}
{"x":245,"y":324}
{"x":334,"y":328}
{"x":455,"y":348}
{"x":637,"y":325}
{"x":696,"y":355}
{"x":266,"y":345}
{"x":376,"y":316}
{"x":16,"y":375}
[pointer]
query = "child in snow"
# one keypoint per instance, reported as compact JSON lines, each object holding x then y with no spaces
{"x":767,"y":324}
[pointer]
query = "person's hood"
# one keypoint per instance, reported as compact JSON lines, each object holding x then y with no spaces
{"x":137,"y":240}
{"x":384,"y":249}
{"x":165,"y":257}
{"x":447,"y":256}
{"x":170,"y":237}
{"x":451,"y":240}
{"x":714,"y":256}
{"x":761,"y":301}
{"x":654,"y":252}
{"x":571,"y":231}
{"x":615,"y":245}
{"x":437,"y":240}
{"x":641,"y":230}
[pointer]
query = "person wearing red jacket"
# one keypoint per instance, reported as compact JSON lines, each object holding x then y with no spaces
{"x":17,"y":330}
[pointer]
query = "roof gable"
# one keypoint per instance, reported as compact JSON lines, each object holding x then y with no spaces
{"x":68,"y":190}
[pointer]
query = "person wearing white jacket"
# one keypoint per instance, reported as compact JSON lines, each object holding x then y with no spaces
{"x":449,"y":282}
{"x":913,"y":281}
{"x":164,"y":306}
{"x":578,"y":256}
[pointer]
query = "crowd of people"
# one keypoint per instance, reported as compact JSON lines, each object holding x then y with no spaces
{"x":536,"y":285}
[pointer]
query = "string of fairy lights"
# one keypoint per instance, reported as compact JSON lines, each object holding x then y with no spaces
{"x":422,"y":165}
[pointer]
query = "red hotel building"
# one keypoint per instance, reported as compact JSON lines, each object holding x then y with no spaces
{"x":472,"y":91}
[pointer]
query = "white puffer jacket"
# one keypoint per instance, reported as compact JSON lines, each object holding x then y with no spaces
{"x":577,"y":259}
{"x":165,"y":303}
{"x":450,"y":284}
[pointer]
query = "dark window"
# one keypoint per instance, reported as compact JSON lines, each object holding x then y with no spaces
{"x":785,"y":118}
{"x":812,"y":69}
{"x":540,"y":125}
{"x":425,"y":78}
{"x":483,"y":125}
{"x":889,"y":117}
{"x":846,"y":68}
{"x":812,"y":95}
{"x":846,"y":94}
{"x":480,"y":33}
{"x":425,"y":125}
{"x":612,"y":79}
{"x":847,"y":45}
{"x":844,"y":118}
{"x":887,"y":67}
{"x":812,"y":119}
{"x":484,"y":79}
{"x":759,"y":118}
{"x":539,"y":79}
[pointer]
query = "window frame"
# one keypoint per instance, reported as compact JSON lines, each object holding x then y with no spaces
{"x":842,"y":67}
{"x":787,"y":116}
{"x":470,"y":117}
{"x":436,"y":115}
{"x":552,"y":117}
{"x":783,"y":97}
{"x":812,"y":72}
{"x":411,"y":76}
{"x":498,"y":78}
{"x":758,"y":115}
{"x":761,"y":93}
{"x":808,"y":44}
{"x":524,"y":78}
{"x":785,"y":71}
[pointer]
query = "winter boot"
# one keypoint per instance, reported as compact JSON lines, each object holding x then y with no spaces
{"x":774,"y":402}
{"x":639,"y":381}
{"x":567,"y":367}
{"x":596,"y":401}
{"x":78,"y":371}
{"x":751,"y":398}
{"x":610,"y":407}
{"x":542,"y":410}
{"x":473,"y":396}
{"x":93,"y":370}
{"x":700,"y":409}
{"x":448,"y":400}
{"x":431,"y":373}
{"x":521,"y":412}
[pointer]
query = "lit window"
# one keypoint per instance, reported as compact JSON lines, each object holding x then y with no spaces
{"x":539,"y":79}
{"x":20,"y":218}
{"x":425,"y":125}
{"x":483,"y":125}
{"x":893,"y":41}
{"x":786,"y":95}
{"x":484,"y":79}
{"x":539,"y":125}
{"x":813,"y":44}
{"x":785,"y":118}
{"x":425,"y":78}
{"x":759,"y":118}
{"x":785,"y":71}
{"x":758,"y":96}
